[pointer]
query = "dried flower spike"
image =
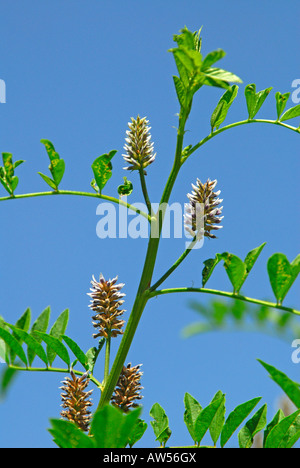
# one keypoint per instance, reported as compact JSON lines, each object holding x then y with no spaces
{"x":76,"y":401}
{"x":138,"y":147}
{"x":128,"y":388}
{"x":106,"y":300}
{"x":202,"y":213}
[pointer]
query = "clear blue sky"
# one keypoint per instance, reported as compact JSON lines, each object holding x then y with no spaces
{"x":75,"y":73}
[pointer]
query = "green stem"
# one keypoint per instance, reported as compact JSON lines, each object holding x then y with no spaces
{"x":225,"y":294}
{"x":145,"y":191}
{"x":107,"y":357}
{"x":236,"y":124}
{"x":174,"y":266}
{"x":54,"y":369}
{"x":82,"y":194}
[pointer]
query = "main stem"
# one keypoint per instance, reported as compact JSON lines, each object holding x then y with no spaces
{"x":145,"y":282}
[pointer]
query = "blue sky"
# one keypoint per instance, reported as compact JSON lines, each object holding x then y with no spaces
{"x":75,"y":73}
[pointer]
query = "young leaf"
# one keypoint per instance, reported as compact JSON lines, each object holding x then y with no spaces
{"x":282,"y":274}
{"x":292,"y":389}
{"x":206,"y":417}
{"x":281,"y":100}
{"x":212,"y":57}
{"x":67,"y":435}
{"x":40,"y":325}
{"x":192,"y":411}
{"x":252,"y":427}
{"x":57,"y":330}
{"x":56,"y":346}
{"x":13,"y":344}
{"x":137,"y":432}
{"x":160,"y":424}
{"x":291,"y":113}
{"x":235,"y":418}
{"x":286,"y":433}
{"x":111,"y":428}
{"x":220,"y":112}
{"x":102,"y":168}
{"x":82,"y":358}
{"x":7,"y":177}
{"x":126,"y":188}
{"x":255,"y":100}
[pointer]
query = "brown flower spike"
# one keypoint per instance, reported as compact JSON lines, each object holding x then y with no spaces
{"x":138,"y":147}
{"x":106,"y":300}
{"x":76,"y":401}
{"x":202,"y":213}
{"x":128,"y":388}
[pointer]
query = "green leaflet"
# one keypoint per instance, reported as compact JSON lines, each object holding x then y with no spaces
{"x":22,"y":323}
{"x":207,"y":416}
{"x":212,"y":57}
{"x":235,"y":418}
{"x":192,"y":411}
{"x":67,"y":435}
{"x":7,"y":177}
{"x":292,"y":389}
{"x":252,"y":427}
{"x":56,"y":167}
{"x":118,"y":426}
{"x":102,"y":168}
{"x":160,"y":424}
{"x":31,"y":343}
{"x":255,"y":100}
{"x":235,"y":314}
{"x":180,"y":91}
{"x":220,"y":112}
{"x":40,"y":325}
{"x":57,"y":330}
{"x":284,"y":434}
{"x":236,"y":269}
{"x":282,"y":274}
{"x":92,"y":355}
{"x":277,"y":418}
{"x":137,"y":432}
{"x":56,"y":347}
{"x":281,"y":100}
{"x":82,"y":358}
{"x":13,"y":344}
{"x":7,"y":377}
{"x":218,"y":421}
{"x":291,"y":113}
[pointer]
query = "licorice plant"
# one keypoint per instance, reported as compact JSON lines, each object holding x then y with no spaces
{"x":113,"y":420}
